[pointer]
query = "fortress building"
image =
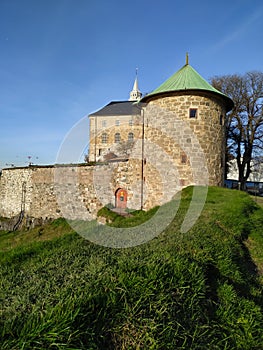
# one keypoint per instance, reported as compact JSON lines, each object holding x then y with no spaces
{"x":179,"y":133}
{"x":115,"y":123}
{"x":143,"y":151}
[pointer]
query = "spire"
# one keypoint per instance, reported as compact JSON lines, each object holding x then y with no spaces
{"x":135,"y":94}
{"x":187,"y":59}
{"x":135,"y":85}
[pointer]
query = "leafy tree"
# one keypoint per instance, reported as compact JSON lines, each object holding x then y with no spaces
{"x":244,"y":124}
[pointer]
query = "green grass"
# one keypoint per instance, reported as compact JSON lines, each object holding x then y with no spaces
{"x":135,"y":218}
{"x":198,"y":290}
{"x":10,"y":240}
{"x":258,"y":200}
{"x":255,"y":242}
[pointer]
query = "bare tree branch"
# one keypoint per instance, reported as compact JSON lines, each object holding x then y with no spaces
{"x":244,"y":124}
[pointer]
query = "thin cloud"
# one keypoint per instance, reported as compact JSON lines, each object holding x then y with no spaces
{"x":236,"y":34}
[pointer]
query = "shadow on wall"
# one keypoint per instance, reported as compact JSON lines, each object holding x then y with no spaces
{"x":11,"y":224}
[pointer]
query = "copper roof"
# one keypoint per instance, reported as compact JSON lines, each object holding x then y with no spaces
{"x":186,"y":79}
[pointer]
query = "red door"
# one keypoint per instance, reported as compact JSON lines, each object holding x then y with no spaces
{"x":121,"y":198}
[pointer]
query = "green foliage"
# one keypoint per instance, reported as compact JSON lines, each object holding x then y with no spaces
{"x":108,"y":214}
{"x":197,"y":290}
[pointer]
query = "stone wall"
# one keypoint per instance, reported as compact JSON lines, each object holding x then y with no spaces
{"x":11,"y":187}
{"x":73,"y":191}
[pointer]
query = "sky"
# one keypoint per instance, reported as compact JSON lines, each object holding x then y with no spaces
{"x":61,"y":60}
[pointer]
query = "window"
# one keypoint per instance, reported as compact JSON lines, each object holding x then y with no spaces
{"x":117,"y":137}
{"x":104,"y":123}
{"x":117,"y":122}
{"x":104,"y":138}
{"x":184,"y":159}
{"x":221,"y":120}
{"x":130,"y":137}
{"x":131,"y":122}
{"x":193,"y":113}
{"x":182,"y":182}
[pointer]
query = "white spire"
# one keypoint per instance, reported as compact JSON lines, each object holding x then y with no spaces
{"x":135,"y":94}
{"x":135,"y":85}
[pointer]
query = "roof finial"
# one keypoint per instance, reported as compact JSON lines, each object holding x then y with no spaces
{"x":187,"y":58}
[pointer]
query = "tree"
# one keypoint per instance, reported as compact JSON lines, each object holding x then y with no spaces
{"x":86,"y":158}
{"x":125,"y":148}
{"x":244,"y":124}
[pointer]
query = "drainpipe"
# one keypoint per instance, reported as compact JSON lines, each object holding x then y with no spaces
{"x":95,"y":143}
{"x":23,"y":206}
{"x":142,"y":172}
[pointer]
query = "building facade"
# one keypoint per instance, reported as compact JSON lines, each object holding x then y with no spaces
{"x":115,"y":126}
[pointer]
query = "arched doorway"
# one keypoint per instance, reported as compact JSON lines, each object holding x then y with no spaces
{"x":121,"y":198}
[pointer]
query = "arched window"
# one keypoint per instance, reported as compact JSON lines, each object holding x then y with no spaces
{"x":104,"y":138}
{"x":117,"y":137}
{"x":130,"y":137}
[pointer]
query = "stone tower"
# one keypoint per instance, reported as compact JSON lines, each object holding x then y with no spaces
{"x":185,"y":115}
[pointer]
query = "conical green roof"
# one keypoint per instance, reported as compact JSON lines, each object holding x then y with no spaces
{"x":187,"y":78}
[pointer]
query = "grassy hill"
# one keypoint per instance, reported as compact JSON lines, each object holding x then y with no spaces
{"x":198,"y":290}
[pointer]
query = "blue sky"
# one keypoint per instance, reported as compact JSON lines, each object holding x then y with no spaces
{"x":60,"y":60}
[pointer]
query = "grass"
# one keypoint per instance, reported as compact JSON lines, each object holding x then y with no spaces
{"x":259,"y":200}
{"x":135,"y":218}
{"x":10,"y":240}
{"x":198,"y":290}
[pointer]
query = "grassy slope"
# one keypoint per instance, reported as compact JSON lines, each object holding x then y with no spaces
{"x":259,"y":200}
{"x":199,"y":290}
{"x":255,"y":240}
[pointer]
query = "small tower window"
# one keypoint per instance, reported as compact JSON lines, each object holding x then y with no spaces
{"x":104,"y":138}
{"x":117,"y":122}
{"x":130,"y":137}
{"x":184,"y":158}
{"x":221,"y":119}
{"x":193,"y":113}
{"x":104,"y":123}
{"x":131,"y":122}
{"x":117,"y":137}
